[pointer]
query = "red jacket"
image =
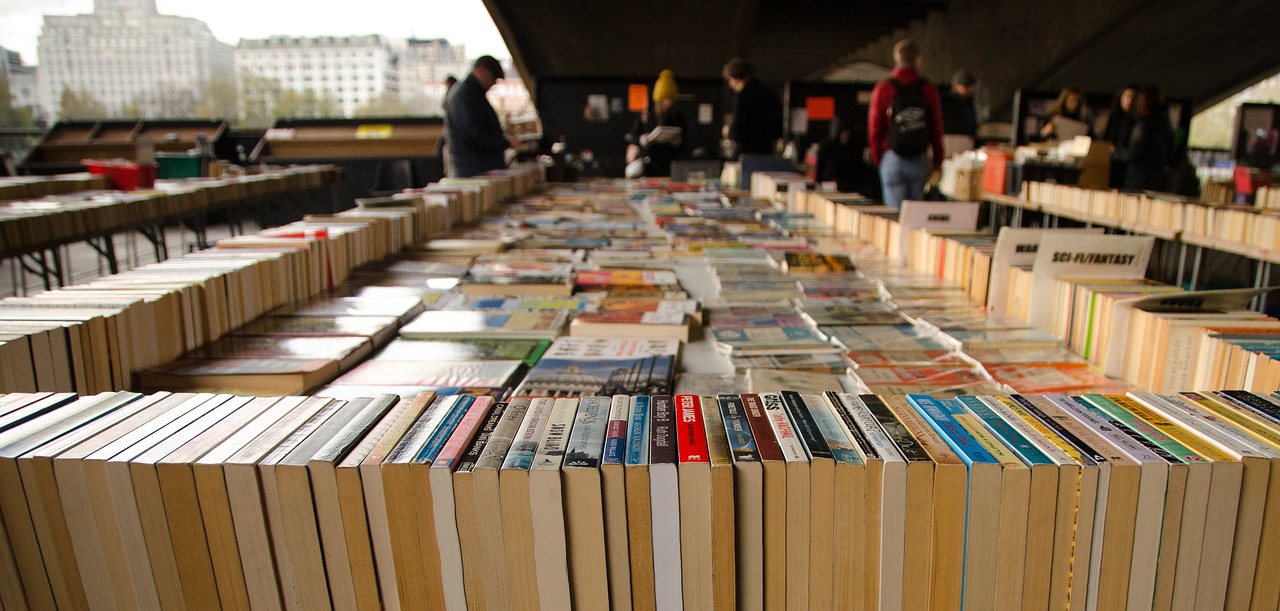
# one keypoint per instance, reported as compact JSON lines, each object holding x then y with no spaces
{"x":882,"y":102}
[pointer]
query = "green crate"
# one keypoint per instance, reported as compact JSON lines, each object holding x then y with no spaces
{"x":178,"y":165}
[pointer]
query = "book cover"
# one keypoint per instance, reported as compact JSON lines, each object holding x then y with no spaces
{"x":529,"y":324}
{"x":527,"y":351}
{"x":581,"y":366}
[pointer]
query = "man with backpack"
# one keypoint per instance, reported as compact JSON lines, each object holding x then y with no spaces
{"x":904,"y":121}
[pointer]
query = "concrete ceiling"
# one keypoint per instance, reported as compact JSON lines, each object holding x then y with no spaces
{"x":1196,"y":50}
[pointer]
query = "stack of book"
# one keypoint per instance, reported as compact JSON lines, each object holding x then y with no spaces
{"x":757,"y":500}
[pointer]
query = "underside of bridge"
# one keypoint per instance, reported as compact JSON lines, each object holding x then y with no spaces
{"x":1197,"y":51}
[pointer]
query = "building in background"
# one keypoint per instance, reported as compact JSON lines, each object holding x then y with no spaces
{"x":22,"y":83}
{"x":126,"y":56}
{"x":352,"y":71}
{"x":424,"y":65}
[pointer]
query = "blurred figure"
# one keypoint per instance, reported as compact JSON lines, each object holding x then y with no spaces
{"x":904,"y":121}
{"x":477,"y":143}
{"x":959,"y":114}
{"x":1119,"y":124}
{"x":1070,"y":105}
{"x":838,"y":160}
{"x":659,"y":147}
{"x":757,"y":111}
{"x":1150,"y":146}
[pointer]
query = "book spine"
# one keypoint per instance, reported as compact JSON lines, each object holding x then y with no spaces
{"x":440,"y":436}
{"x":1134,"y":443}
{"x":662,"y":433}
{"x":742,"y":443}
{"x":807,"y":429}
{"x":765,"y":439}
{"x":844,"y":412}
{"x":1156,"y":412}
{"x":1237,"y":416}
{"x":1054,"y":447}
{"x":1120,"y":436}
{"x":837,"y":438}
{"x":1122,"y":409}
{"x":525,"y":445}
{"x":586,"y":443}
{"x":555,"y":441}
{"x":1085,"y":451}
{"x":956,"y":435}
{"x":898,"y":433}
{"x":691,"y":440}
{"x":638,"y":431}
{"x":499,"y":442}
{"x":1254,"y":403}
{"x":788,"y":440}
{"x":615,"y":435}
{"x":1021,"y":446}
{"x":471,"y":457}
{"x":463,"y":434}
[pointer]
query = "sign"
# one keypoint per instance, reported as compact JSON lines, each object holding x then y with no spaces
{"x":637,"y":97}
{"x":1064,"y":255}
{"x":952,"y":216}
{"x":380,"y":131}
{"x":1015,"y":248}
{"x":820,"y":108}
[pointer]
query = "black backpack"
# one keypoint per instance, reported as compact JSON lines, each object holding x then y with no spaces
{"x":908,"y":119}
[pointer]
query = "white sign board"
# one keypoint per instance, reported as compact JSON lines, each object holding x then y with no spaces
{"x":1015,"y":248}
{"x":953,"y":216}
{"x":1110,"y":257}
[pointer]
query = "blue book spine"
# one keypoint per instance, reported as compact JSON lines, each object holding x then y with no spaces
{"x":440,"y":436}
{"x":938,"y":414}
{"x":638,"y":432}
{"x":1025,"y":450}
{"x":742,"y":443}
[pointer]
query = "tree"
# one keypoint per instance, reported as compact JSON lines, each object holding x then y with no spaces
{"x":80,"y":106}
{"x":219,"y":100}
{"x":304,"y":105}
{"x":10,"y":115}
{"x":385,"y":105}
{"x":258,"y":96}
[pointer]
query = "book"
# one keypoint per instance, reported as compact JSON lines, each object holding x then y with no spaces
{"x":816,"y":263}
{"x":583,"y":366}
{"x":445,"y":502}
{"x":489,"y":526}
{"x":664,"y":496}
{"x":527,"y":324}
{"x":265,"y":376}
{"x":639,"y":503}
{"x":546,"y":506}
{"x":694,"y":473}
{"x":584,"y":508}
{"x":613,"y":482}
{"x":527,"y":351}
{"x":431,"y":373}
{"x":673,"y":325}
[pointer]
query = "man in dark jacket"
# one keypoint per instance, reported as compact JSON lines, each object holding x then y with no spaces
{"x":477,"y":143}
{"x":757,"y":111}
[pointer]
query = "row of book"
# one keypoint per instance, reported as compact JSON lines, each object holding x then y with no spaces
{"x":1241,"y":229}
{"x":27,"y":187}
{"x":50,"y":220}
{"x":767,"y":500}
{"x":95,"y":337}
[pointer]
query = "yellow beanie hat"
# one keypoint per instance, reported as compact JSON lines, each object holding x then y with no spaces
{"x":665,"y":88}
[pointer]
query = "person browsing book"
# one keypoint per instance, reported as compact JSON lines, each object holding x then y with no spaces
{"x":757,"y":111}
{"x":1068,"y":110}
{"x":658,"y":134}
{"x":477,"y":143}
{"x":904,"y":121}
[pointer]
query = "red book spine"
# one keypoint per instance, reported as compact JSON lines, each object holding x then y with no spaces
{"x":691,"y":437}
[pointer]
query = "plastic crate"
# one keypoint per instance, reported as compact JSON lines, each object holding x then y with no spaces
{"x":178,"y":165}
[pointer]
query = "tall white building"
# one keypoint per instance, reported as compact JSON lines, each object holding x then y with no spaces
{"x":22,"y":82}
{"x":350,"y":70}
{"x":127,"y":54}
{"x":424,"y":66}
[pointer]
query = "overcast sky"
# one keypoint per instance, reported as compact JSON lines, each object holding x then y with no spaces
{"x":464,"y":22}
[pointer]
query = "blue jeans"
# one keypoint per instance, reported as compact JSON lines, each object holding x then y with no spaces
{"x":903,"y":177}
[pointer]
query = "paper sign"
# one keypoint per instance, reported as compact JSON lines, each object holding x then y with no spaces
{"x":637,"y":97}
{"x":371,"y":132}
{"x":820,"y":108}
{"x":955,"y":216}
{"x":1109,"y":257}
{"x":706,"y":114}
{"x":799,"y":121}
{"x":1015,"y":248}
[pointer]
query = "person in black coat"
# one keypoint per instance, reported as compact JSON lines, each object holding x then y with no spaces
{"x":1150,"y":144}
{"x":659,"y":152}
{"x":1119,"y":126}
{"x":477,"y":143}
{"x":839,"y":160}
{"x":757,"y":111}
